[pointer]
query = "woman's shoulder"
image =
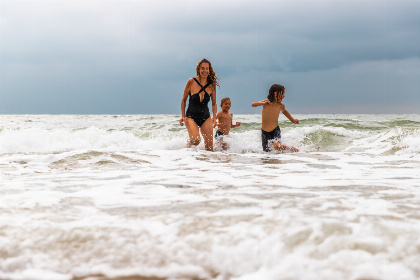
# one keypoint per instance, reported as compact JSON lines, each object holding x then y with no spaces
{"x":190,"y":81}
{"x":213,"y":85}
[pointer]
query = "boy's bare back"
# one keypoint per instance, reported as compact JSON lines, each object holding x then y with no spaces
{"x":271,"y":111}
{"x":270,"y":115}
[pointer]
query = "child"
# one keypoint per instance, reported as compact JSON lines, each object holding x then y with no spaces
{"x":270,"y":119}
{"x":224,"y":122}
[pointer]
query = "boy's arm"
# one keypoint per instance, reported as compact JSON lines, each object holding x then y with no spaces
{"x":287,"y":114}
{"x":260,"y":103}
{"x":231,"y":123}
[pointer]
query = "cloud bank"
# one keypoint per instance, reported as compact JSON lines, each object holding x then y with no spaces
{"x":134,"y":57}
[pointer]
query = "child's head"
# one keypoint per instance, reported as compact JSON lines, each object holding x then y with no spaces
{"x":275,"y":94}
{"x":224,"y":99}
{"x":225,"y":103}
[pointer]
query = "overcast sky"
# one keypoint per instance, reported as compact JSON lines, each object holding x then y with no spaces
{"x":135,"y":57}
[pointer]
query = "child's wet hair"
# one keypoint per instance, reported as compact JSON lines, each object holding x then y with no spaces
{"x":271,"y":92}
{"x":224,"y":99}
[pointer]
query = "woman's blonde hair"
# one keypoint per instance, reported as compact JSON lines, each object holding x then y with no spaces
{"x":213,"y":77}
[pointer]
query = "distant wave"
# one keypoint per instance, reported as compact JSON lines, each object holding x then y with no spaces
{"x":47,"y":134}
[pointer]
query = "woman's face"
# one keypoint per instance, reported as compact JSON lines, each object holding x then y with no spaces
{"x":204,"y":69}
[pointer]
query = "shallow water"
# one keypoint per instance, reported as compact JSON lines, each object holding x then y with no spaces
{"x":121,"y":197}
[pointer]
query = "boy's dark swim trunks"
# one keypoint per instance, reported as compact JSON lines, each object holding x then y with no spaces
{"x":218,"y":133}
{"x":274,"y":135}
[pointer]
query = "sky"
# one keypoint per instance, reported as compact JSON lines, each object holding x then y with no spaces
{"x":135,"y":57}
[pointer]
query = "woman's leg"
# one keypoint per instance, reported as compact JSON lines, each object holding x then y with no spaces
{"x":207,"y":132}
{"x":193,"y":132}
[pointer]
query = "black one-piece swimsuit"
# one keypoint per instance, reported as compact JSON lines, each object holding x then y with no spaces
{"x":198,"y":110}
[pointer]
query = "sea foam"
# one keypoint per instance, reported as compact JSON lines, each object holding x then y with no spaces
{"x":120,"y":197}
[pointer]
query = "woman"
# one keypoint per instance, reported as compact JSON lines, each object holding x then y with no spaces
{"x":200,"y":90}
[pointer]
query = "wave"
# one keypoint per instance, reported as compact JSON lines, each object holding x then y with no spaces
{"x":50,"y":134}
{"x":308,"y":139}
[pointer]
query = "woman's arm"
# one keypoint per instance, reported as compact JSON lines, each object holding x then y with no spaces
{"x":214,"y":104}
{"x":184,"y":101}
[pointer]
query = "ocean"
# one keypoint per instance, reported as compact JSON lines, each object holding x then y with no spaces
{"x":120,"y":197}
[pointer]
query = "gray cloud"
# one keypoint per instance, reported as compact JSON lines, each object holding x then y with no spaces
{"x":135,"y":56}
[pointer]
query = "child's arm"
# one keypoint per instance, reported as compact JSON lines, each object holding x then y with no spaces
{"x":234,"y":125}
{"x":238,"y":124}
{"x":287,"y":114}
{"x":260,"y":103}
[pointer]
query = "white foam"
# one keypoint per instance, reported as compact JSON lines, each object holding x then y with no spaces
{"x":95,"y":195}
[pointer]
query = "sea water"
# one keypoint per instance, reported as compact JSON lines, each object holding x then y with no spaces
{"x":98,"y":197}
